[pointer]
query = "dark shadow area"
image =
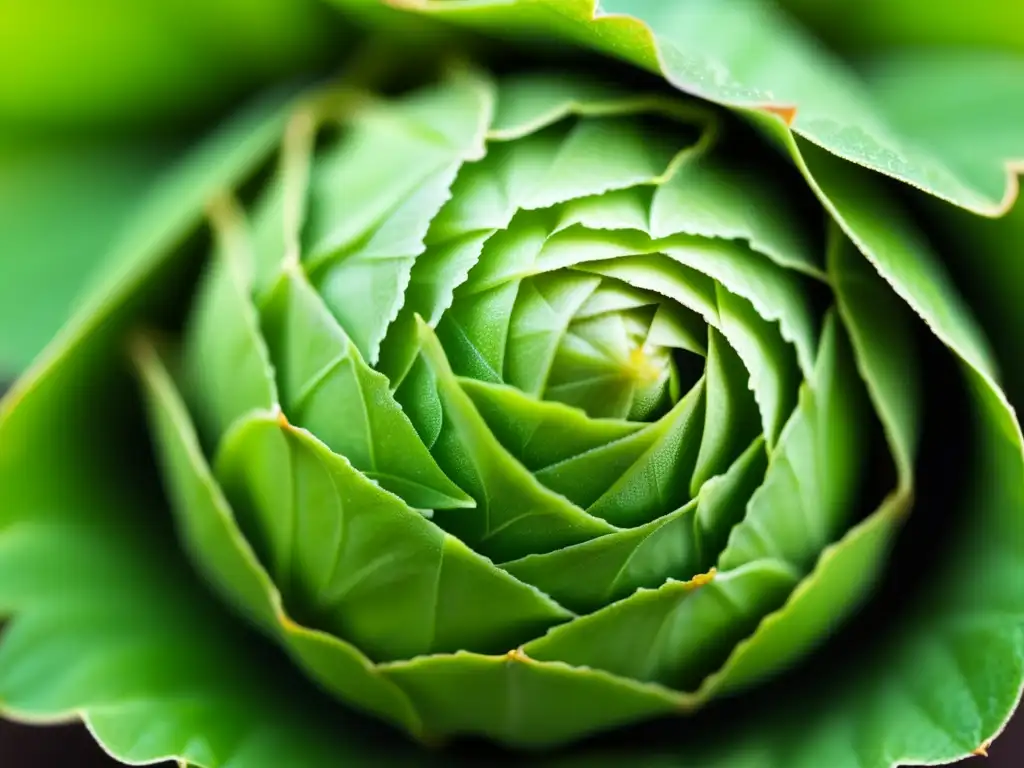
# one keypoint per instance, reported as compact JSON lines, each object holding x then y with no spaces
{"x":23,"y":746}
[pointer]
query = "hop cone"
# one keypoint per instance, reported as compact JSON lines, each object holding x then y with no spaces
{"x":526,"y":404}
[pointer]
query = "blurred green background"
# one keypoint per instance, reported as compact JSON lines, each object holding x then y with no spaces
{"x":96,"y":97}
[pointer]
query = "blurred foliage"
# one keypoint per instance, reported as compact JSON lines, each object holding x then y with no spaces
{"x":95,"y":98}
{"x":61,"y":204}
{"x":114,"y":63}
{"x":857,"y":26}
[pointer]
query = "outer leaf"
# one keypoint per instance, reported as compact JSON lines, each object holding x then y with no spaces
{"x":328,"y":388}
{"x":45,"y":267}
{"x":880,"y":332}
{"x":212,"y":537}
{"x":113,"y":651}
{"x":356,"y":561}
{"x":675,"y":634}
{"x":467,"y":693}
{"x":879,"y":25}
{"x":748,"y":56}
{"x":106,"y":614}
{"x":897,"y":250}
{"x":941,"y":98}
{"x":983,"y":258}
{"x":227,"y":367}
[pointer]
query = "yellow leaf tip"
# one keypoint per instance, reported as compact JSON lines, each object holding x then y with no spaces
{"x":982,"y":751}
{"x":282,"y":420}
{"x":701,"y":579}
{"x":517,"y":654}
{"x":287,"y":623}
{"x":787,"y":113}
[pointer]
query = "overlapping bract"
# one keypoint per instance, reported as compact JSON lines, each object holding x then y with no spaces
{"x":521,"y":420}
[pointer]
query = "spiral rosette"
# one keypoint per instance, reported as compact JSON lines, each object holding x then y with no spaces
{"x":529,"y":413}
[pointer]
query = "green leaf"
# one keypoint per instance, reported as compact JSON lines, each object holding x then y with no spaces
{"x":809,"y":490}
{"x":279,"y":212}
{"x":722,"y":501}
{"x":540,"y":433}
{"x":842,"y":579}
{"x":435,"y":276}
{"x":354,"y":560}
{"x":372,"y":199}
{"x":683,"y":543}
{"x":633,"y":154}
{"x":408,"y":141}
{"x":608,"y":365}
{"x":364,"y":286}
{"x":227,"y":369}
{"x":730,"y":415}
{"x":513,"y":699}
{"x":774,"y":375}
{"x":105,"y":609}
{"x":529,"y":102}
{"x":585,"y":577}
{"x":545,"y":305}
{"x":211,"y":536}
{"x":114,"y":652}
{"x":489,"y":192}
{"x":941,"y":97}
{"x":714,"y":196}
{"x":641,"y":477}
{"x":749,"y":56}
{"x":982,"y":256}
{"x":46,"y":266}
{"x":880,"y":333}
{"x":327,"y":388}
{"x":475,"y":329}
{"x":898,"y":251}
{"x":778,"y":294}
{"x":585,"y":477}
{"x":515,"y":514}
{"x":675,"y":634}
{"x":175,"y":206}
